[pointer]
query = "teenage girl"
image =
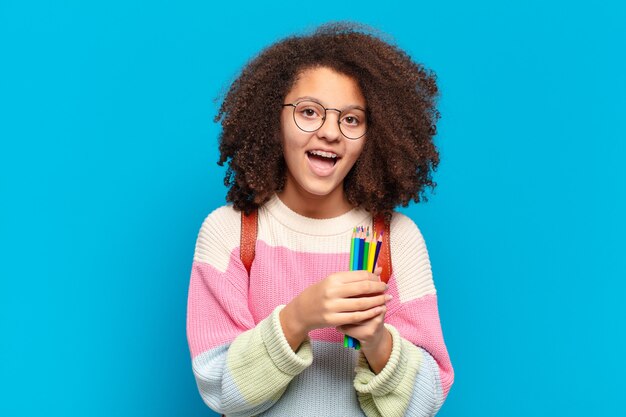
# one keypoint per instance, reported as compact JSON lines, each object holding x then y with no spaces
{"x":321,"y":132}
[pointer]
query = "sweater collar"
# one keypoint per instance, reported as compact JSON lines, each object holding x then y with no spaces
{"x":318,"y":227}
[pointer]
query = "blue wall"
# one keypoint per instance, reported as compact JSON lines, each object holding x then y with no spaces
{"x":108,"y":167}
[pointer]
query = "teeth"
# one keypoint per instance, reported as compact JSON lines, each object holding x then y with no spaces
{"x":324,"y":154}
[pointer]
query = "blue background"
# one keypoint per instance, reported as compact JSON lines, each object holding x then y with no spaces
{"x":108,"y":167}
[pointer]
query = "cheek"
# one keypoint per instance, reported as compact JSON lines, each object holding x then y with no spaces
{"x":287,"y":125}
{"x":293,"y":138}
{"x":292,"y":147}
{"x":355,"y":152}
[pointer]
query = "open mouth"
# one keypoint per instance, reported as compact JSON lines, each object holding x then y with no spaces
{"x":322,"y":160}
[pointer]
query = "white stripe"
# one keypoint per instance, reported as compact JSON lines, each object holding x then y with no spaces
{"x":410,"y":262}
{"x":218,"y":237}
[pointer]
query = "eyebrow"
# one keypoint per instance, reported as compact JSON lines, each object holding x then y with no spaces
{"x":350,"y":107}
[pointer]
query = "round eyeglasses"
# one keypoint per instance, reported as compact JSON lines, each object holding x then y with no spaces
{"x":310,"y":116}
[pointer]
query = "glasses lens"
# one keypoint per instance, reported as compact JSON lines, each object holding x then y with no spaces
{"x":353,"y":123}
{"x":309,"y":115}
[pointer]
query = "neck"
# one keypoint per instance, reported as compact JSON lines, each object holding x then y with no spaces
{"x":314,"y":206}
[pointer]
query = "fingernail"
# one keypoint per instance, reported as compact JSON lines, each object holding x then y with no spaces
{"x":388,"y":297}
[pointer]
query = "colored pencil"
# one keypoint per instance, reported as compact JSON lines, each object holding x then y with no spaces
{"x":364,"y":251}
{"x":372,"y":253}
{"x":379,"y":244}
{"x":352,"y":249}
{"x":361,"y":250}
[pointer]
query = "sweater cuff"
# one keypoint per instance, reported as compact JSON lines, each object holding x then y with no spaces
{"x":285,"y":359}
{"x":367,"y":382}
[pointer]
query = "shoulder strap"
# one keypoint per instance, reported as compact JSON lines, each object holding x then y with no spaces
{"x":249,"y":225}
{"x":384,"y":258}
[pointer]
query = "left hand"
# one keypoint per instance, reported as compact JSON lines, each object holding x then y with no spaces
{"x":376,"y":341}
{"x":369,"y":332}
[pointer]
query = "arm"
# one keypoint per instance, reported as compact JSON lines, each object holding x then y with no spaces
{"x":230,"y":355}
{"x":418,"y":374}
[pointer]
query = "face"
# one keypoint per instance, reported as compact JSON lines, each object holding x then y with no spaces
{"x":317,"y":162}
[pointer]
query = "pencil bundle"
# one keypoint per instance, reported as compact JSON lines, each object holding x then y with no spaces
{"x":364,"y":250}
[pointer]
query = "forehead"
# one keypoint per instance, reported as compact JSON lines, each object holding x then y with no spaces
{"x":328,"y":86}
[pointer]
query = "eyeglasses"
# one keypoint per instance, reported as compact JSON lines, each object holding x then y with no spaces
{"x":310,"y":116}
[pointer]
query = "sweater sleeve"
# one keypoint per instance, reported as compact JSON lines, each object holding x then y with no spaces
{"x":240,"y":368}
{"x":418,"y":375}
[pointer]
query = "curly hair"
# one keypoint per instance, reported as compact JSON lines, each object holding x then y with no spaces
{"x":400,"y":95}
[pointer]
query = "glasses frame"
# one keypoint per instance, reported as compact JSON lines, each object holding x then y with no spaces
{"x":294,"y":105}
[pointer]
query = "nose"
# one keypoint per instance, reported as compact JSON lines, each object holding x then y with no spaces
{"x":330,"y":129}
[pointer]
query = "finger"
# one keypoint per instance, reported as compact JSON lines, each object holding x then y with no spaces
{"x":353,"y":329}
{"x":358,"y":316}
{"x":361,"y":303}
{"x":378,"y":271}
{"x":379,"y":318}
{"x":360,"y":288}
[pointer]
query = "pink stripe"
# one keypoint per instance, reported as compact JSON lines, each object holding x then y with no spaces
{"x":216,"y":310}
{"x":418,"y":321}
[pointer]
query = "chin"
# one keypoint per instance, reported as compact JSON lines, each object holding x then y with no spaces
{"x":320,"y":191}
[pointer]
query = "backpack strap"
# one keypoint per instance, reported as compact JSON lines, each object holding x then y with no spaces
{"x":384,"y":257}
{"x":249,"y":226}
{"x":249,"y":231}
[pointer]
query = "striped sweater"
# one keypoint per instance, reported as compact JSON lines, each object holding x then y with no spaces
{"x":241,"y":360}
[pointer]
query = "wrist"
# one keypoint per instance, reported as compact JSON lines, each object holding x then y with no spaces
{"x":378,"y":354}
{"x":294,"y":331}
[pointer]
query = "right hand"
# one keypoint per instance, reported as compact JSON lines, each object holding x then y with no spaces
{"x":339,"y":299}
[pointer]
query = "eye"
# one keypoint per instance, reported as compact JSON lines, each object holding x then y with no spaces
{"x":310,"y":111}
{"x":351,"y":120}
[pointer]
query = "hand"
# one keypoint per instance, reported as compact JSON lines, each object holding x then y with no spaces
{"x":369,"y":332}
{"x":376,"y":341}
{"x":340,"y":299}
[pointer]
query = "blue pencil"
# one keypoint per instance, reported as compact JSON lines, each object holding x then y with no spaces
{"x":361,"y":252}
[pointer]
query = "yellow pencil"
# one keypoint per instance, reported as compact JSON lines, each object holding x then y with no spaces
{"x":371,"y":254}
